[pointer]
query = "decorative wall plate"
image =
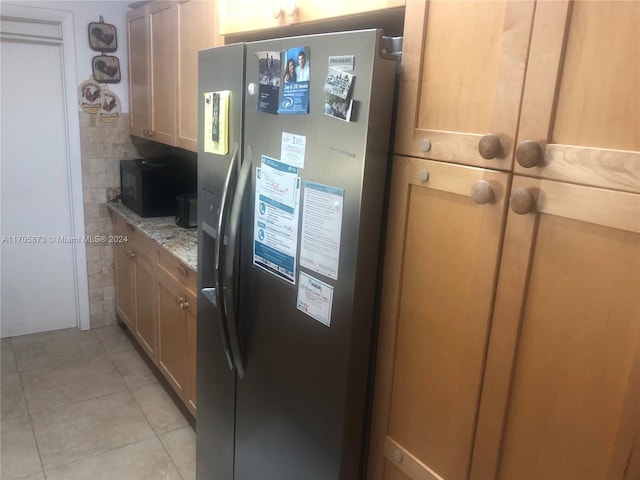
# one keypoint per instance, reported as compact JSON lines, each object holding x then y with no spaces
{"x":90,"y":96}
{"x":110,"y":108}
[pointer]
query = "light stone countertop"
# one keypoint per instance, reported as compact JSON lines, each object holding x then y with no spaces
{"x":181,"y":242}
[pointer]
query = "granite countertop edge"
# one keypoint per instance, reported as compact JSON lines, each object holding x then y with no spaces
{"x":182,"y":243}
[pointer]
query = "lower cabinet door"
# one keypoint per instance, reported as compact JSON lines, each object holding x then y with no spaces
{"x":561,"y":396}
{"x":146,"y":328}
{"x":125,"y":294}
{"x":444,"y":233}
{"x":175,"y":308}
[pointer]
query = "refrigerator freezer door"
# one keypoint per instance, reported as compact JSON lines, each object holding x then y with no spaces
{"x":220,"y":70}
{"x":300,"y":408}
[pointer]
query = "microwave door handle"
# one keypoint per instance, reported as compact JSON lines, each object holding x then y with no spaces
{"x":230,"y":273}
{"x":219,"y":247}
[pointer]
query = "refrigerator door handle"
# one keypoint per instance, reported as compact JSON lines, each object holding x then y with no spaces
{"x":231,"y":263}
{"x":218,"y":291}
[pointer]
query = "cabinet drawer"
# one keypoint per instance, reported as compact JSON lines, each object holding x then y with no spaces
{"x":135,"y":237}
{"x":177,"y":269}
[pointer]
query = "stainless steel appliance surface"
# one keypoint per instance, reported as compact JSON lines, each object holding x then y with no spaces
{"x":289,"y":225}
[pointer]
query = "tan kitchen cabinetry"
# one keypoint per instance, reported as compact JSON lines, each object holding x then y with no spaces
{"x":135,"y":285}
{"x":155,"y":299}
{"x":552,"y":389}
{"x":561,"y":397}
{"x":153,"y":67}
{"x":177,"y":315}
{"x":443,"y":243}
{"x":237,"y":16}
{"x":462,"y":72}
{"x":164,"y":39}
{"x":197,"y":31}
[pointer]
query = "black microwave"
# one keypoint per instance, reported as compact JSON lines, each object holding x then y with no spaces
{"x":149,"y":186}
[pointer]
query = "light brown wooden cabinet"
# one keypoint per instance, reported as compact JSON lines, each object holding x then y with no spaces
{"x":155,"y":299}
{"x":237,"y":16}
{"x":177,"y":317}
{"x":135,"y":286}
{"x":539,"y":376}
{"x":561,"y":394}
{"x":164,"y":39}
{"x":439,"y":277}
{"x":463,"y":66}
{"x":139,"y":72}
{"x":153,"y":66}
{"x":198,"y":30}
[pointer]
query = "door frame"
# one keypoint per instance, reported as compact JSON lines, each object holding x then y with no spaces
{"x":74,"y":168}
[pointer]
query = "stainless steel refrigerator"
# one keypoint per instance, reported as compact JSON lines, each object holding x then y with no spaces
{"x":291,"y":185}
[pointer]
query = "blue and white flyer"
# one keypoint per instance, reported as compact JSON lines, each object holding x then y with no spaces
{"x":321,"y":228}
{"x":277,"y":207}
{"x":295,"y":89}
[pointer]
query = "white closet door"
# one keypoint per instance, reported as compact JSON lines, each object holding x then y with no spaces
{"x":38,"y":270}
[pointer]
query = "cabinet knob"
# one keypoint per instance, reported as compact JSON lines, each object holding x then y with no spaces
{"x":522,"y":201}
{"x":482,"y":192}
{"x":425,"y":145}
{"x":423,"y":175}
{"x":529,"y":153}
{"x":182,"y":303}
{"x":489,"y":146}
{"x":397,"y":456}
{"x":130,"y":254}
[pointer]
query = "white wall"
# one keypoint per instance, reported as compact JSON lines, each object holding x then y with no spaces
{"x":84,"y":12}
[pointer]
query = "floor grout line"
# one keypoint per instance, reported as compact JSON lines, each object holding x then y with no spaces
{"x":126,"y":388}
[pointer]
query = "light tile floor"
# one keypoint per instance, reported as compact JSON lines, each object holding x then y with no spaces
{"x":85,"y":405}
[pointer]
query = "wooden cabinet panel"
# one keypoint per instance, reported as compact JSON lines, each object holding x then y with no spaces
{"x":176,"y":320}
{"x":197,"y":25}
{"x":313,"y":10}
{"x":146,"y":328}
{"x":193,"y":350}
{"x":440,"y":270}
{"x":155,"y":298}
{"x":125,"y":300}
{"x":163,"y":27}
{"x":238,"y":16}
{"x":582,"y":118}
{"x":139,"y":70}
{"x":560,"y":396}
{"x":178,"y":270}
{"x":248,"y":15}
{"x":462,"y":73}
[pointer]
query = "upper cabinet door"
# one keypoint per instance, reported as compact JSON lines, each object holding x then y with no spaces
{"x":238,"y":16}
{"x":198,"y":31}
{"x":139,"y":68}
{"x":311,"y":10}
{"x":163,"y":25}
{"x":463,"y":66}
{"x":580,"y":119}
